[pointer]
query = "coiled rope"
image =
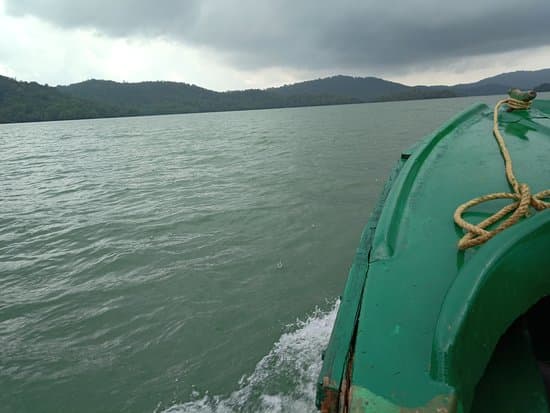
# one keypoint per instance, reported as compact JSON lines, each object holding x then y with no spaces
{"x":478,"y":234}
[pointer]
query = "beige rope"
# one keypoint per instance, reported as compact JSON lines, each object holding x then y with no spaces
{"x":478,"y":234}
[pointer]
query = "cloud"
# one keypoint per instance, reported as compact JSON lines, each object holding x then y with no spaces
{"x":32,"y":49}
{"x":313,"y":35}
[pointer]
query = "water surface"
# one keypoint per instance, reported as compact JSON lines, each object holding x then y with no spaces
{"x":185,"y":262}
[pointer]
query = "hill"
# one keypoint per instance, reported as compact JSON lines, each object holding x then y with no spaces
{"x":500,"y":84}
{"x":522,"y":79}
{"x":545,"y":87}
{"x":364,"y":89}
{"x":371,"y":89}
{"x":29,"y":102}
{"x":150,"y":98}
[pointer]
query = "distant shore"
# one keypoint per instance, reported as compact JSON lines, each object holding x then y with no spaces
{"x":31,"y":102}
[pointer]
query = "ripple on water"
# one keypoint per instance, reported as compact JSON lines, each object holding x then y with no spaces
{"x":143,"y":260}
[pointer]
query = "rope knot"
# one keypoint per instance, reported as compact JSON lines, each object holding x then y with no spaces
{"x":479,"y":234}
{"x":538,"y":203}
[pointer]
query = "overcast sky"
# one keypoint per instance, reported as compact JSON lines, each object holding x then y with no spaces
{"x":237,"y":44}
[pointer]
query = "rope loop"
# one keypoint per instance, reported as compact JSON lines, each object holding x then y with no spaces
{"x":521,"y":197}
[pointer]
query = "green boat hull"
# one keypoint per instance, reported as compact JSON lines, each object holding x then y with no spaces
{"x":424,"y":327}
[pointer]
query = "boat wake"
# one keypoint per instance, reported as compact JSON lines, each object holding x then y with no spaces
{"x":284,"y":380}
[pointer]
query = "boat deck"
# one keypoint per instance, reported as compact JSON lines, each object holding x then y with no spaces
{"x":414,"y":309}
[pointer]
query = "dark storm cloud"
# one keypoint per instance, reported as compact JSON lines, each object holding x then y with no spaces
{"x":315,"y":34}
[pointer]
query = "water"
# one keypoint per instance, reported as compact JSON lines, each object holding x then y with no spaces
{"x":185,"y":263}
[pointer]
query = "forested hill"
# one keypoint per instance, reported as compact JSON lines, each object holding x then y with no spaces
{"x":365,"y":89}
{"x":150,"y":98}
{"x":29,"y":101}
{"x":371,"y":89}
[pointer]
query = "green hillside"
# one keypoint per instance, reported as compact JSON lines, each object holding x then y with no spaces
{"x":148,"y":98}
{"x":30,"y":102}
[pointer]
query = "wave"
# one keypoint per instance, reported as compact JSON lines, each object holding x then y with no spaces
{"x":283,"y":380}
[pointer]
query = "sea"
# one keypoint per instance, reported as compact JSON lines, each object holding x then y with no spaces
{"x":186,"y":263}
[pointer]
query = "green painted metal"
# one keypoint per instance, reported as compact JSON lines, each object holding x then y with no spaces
{"x":417,"y":333}
{"x":501,"y":282}
{"x":336,"y":356}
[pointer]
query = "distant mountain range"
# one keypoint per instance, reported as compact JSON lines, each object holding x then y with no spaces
{"x":372,"y":89}
{"x":29,"y":101}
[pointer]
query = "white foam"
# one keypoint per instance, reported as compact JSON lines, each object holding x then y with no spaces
{"x":284,"y":380}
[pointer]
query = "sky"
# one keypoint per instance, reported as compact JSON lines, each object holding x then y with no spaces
{"x":241,"y":44}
